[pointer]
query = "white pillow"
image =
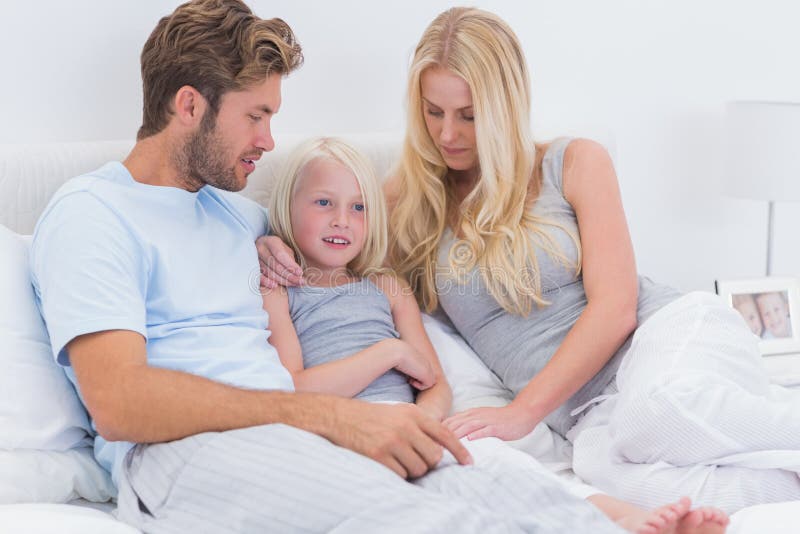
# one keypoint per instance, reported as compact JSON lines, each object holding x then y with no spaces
{"x":61,"y":518}
{"x":45,"y":440}
{"x":39,"y":408}
{"x":475,"y":386}
{"x":53,"y":476}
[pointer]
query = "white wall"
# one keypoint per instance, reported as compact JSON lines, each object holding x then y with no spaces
{"x":651,"y":76}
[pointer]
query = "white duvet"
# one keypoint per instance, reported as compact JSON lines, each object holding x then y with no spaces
{"x":473,"y":385}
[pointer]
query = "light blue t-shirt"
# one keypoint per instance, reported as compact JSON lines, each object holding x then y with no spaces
{"x":180,"y":268}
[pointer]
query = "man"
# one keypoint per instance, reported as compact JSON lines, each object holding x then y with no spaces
{"x":143,"y":272}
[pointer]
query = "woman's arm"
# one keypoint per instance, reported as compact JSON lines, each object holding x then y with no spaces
{"x":436,"y":400}
{"x":610,"y":282}
{"x":346,"y":377}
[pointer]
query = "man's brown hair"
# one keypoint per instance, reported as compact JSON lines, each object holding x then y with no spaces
{"x":215,"y":46}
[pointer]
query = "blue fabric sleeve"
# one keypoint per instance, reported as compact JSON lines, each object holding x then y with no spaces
{"x":89,"y":272}
{"x":253,"y":215}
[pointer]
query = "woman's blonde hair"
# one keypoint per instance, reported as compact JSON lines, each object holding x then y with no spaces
{"x":496,"y":229}
{"x":373,"y":253}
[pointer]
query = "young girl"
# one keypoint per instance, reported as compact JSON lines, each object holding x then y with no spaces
{"x":355,"y":330}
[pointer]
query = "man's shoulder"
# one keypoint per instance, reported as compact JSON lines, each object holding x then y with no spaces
{"x":83,"y":190}
{"x":238,"y":201}
{"x":251,"y":211}
{"x":80,"y":209}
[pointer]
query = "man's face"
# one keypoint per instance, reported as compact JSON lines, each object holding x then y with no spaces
{"x":222,"y":152}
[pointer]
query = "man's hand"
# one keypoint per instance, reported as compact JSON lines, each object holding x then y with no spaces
{"x":400,"y":436}
{"x":277,"y":263}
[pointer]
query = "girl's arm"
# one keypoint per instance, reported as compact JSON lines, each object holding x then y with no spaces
{"x":436,"y":400}
{"x":610,"y":282}
{"x":346,"y":377}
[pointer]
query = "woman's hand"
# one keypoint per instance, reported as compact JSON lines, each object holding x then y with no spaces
{"x":507,"y":423}
{"x":411,"y":363}
{"x":277,"y":263}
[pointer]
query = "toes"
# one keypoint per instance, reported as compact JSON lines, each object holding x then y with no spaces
{"x":684,"y":503}
{"x":716,"y":515}
{"x":658,"y":522}
{"x":694,"y":518}
{"x":680,"y":508}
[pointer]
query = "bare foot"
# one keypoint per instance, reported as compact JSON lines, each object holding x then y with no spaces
{"x":663,"y":520}
{"x":703,"y":521}
{"x":676,"y":518}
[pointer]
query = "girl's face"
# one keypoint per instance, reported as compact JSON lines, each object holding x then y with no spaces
{"x":328,"y":218}
{"x":448,"y":112}
{"x":774,"y":313}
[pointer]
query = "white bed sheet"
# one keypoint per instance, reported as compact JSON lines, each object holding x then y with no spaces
{"x":78,"y":518}
{"x":40,"y":518}
{"x":473,"y":385}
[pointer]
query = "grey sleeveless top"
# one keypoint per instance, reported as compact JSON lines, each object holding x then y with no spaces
{"x":335,"y":322}
{"x":515,"y":348}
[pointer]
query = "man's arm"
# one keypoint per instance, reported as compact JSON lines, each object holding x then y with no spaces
{"x":132,"y":401}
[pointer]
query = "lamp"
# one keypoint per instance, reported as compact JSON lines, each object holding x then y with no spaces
{"x":763,"y":155}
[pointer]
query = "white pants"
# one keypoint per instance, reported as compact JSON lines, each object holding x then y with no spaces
{"x":695,"y":415}
{"x":275,"y":478}
{"x":493,"y":456}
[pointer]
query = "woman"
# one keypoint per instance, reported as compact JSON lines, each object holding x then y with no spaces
{"x":355,"y":330}
{"x":537,"y":236}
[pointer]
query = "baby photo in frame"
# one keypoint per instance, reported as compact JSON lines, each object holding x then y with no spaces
{"x":770,"y":307}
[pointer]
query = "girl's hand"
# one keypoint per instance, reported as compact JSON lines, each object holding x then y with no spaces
{"x":412,"y":363}
{"x":507,"y":423}
{"x":277,"y":263}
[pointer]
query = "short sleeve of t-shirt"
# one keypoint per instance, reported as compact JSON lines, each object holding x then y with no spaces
{"x":88,"y":270}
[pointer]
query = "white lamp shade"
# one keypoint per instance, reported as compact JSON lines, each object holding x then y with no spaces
{"x":763,"y":150}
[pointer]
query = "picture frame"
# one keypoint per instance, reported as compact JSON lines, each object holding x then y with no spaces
{"x":770,"y":307}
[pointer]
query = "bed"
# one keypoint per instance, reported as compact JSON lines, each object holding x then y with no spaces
{"x":48,"y":478}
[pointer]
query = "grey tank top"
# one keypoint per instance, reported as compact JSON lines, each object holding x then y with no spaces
{"x":515,"y":348}
{"x":335,"y":322}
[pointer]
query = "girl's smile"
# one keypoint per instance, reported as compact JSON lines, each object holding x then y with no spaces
{"x":327,"y":213}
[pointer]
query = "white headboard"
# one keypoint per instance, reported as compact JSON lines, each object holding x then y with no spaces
{"x":30,"y":174}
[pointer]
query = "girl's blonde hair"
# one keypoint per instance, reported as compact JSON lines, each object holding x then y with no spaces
{"x":373,"y":252}
{"x":496,"y":229}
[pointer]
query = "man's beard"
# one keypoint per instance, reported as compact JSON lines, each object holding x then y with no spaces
{"x":202,"y":159}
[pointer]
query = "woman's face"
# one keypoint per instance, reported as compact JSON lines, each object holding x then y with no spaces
{"x":449,"y":117}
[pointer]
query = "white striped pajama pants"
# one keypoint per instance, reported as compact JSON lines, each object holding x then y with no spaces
{"x":276,"y":478}
{"x":695,"y":415}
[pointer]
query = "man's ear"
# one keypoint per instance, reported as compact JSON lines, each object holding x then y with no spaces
{"x":189,"y":106}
